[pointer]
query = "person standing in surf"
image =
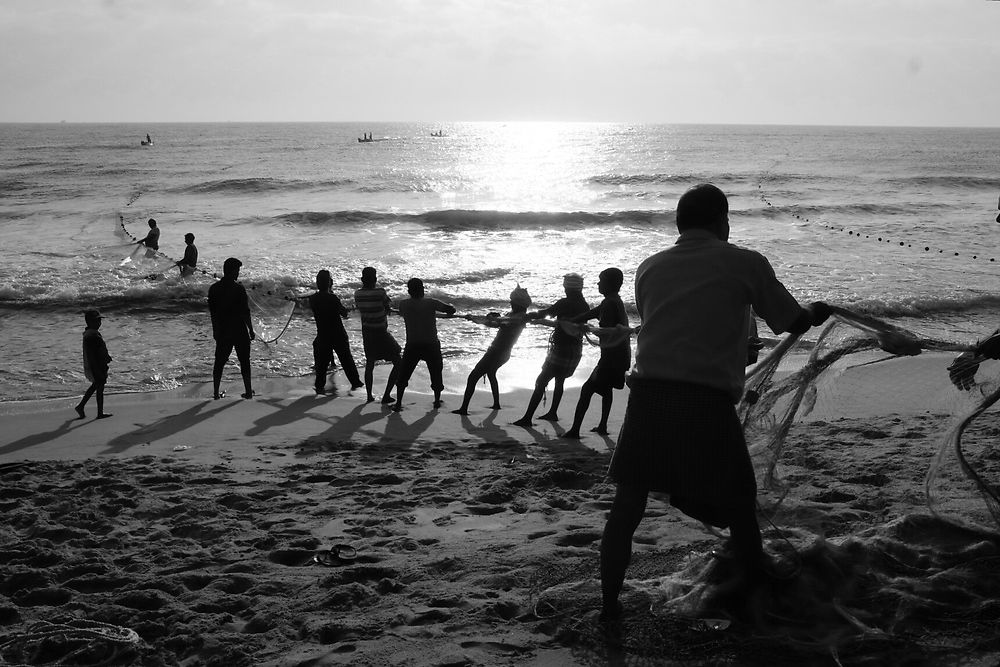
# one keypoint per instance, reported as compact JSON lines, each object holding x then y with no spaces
{"x":565,"y":349}
{"x":231,"y":326}
{"x":374,"y":305}
{"x":609,"y":374}
{"x":499,"y":350}
{"x":188,"y":263}
{"x":331,"y":336}
{"x":681,"y":434}
{"x":422,"y":344}
{"x":95,"y":364}
{"x":151,"y":240}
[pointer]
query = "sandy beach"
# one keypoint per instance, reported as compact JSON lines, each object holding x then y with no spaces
{"x":293,"y":529}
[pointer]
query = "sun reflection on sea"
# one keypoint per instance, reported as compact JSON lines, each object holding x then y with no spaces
{"x":533,"y":166}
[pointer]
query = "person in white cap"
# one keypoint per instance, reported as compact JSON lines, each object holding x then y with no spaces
{"x":498,"y":353}
{"x":565,"y":349}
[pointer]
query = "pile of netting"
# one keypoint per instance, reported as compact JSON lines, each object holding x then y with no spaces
{"x":70,"y":642}
{"x":856,"y":368}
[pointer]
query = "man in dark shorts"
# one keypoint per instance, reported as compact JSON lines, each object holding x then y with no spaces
{"x":95,"y":364}
{"x":331,"y":336}
{"x":681,"y":433}
{"x":420,"y":316}
{"x":231,"y":325}
{"x":565,"y":349}
{"x":609,"y":374}
{"x":374,"y":304}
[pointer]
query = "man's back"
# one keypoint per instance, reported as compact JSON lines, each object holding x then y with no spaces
{"x":420,"y":316}
{"x":694,"y":300}
{"x":373,"y":305}
{"x":328,"y":312}
{"x":230,"y":309}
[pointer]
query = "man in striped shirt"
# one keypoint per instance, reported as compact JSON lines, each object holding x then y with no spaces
{"x":373,"y":304}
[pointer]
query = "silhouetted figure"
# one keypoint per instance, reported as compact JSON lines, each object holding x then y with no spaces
{"x":681,"y":433}
{"x":373,"y":304}
{"x":420,"y":316}
{"x":565,"y":349}
{"x":151,"y":240}
{"x":609,"y":374}
{"x":95,"y":363}
{"x":499,"y":350}
{"x":189,"y":263}
{"x":331,"y":336}
{"x":231,"y":325}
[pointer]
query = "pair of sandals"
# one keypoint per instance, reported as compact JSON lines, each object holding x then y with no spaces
{"x":338,"y":554}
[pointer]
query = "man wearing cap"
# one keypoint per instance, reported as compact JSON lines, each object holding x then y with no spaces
{"x":498,"y":353}
{"x":231,"y":325}
{"x":681,"y":434}
{"x":565,"y":349}
{"x":95,"y":363}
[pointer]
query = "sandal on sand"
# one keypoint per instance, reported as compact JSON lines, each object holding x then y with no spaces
{"x":338,"y":554}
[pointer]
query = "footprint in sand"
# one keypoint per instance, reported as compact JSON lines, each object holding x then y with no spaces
{"x":578,"y":538}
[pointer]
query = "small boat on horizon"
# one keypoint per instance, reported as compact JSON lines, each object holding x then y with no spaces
{"x":146,"y":142}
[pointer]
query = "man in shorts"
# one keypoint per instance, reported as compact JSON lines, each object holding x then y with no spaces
{"x":374,"y":304}
{"x":681,"y":434}
{"x":231,"y":325}
{"x":420,"y":316}
{"x":565,"y":349}
{"x":609,"y":374}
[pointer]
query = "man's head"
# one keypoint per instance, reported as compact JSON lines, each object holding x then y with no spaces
{"x":231,"y":268}
{"x":573,"y":282}
{"x":610,"y":281}
{"x":368,"y":276}
{"x":520,"y":299}
{"x":415,"y":286}
{"x":323,"y":280}
{"x":92,"y":318}
{"x":152,"y":223}
{"x":189,"y":238}
{"x":704,"y":206}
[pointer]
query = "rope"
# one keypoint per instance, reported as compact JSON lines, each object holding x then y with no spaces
{"x":287,"y":321}
{"x":595,"y":335}
{"x":857,"y":234}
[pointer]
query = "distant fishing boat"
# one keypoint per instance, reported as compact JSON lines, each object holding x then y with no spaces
{"x":147,"y":141}
{"x":439,"y":133}
{"x":367,"y":138}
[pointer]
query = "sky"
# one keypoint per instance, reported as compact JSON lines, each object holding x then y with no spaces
{"x":809,"y":62}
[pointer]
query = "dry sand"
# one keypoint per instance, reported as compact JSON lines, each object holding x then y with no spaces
{"x":194,"y":523}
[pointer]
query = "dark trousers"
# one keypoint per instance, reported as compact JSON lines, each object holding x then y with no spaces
{"x":430,"y":353}
{"x":323,"y":350}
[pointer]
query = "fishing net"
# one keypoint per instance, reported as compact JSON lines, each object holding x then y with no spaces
{"x":272,"y":305}
{"x":856,"y":576}
{"x":861,"y":367}
{"x":70,"y":642}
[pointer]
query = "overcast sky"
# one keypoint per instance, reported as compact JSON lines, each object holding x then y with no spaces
{"x":839,"y":62}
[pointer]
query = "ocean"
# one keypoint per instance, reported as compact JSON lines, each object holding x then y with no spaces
{"x":897,"y":223}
